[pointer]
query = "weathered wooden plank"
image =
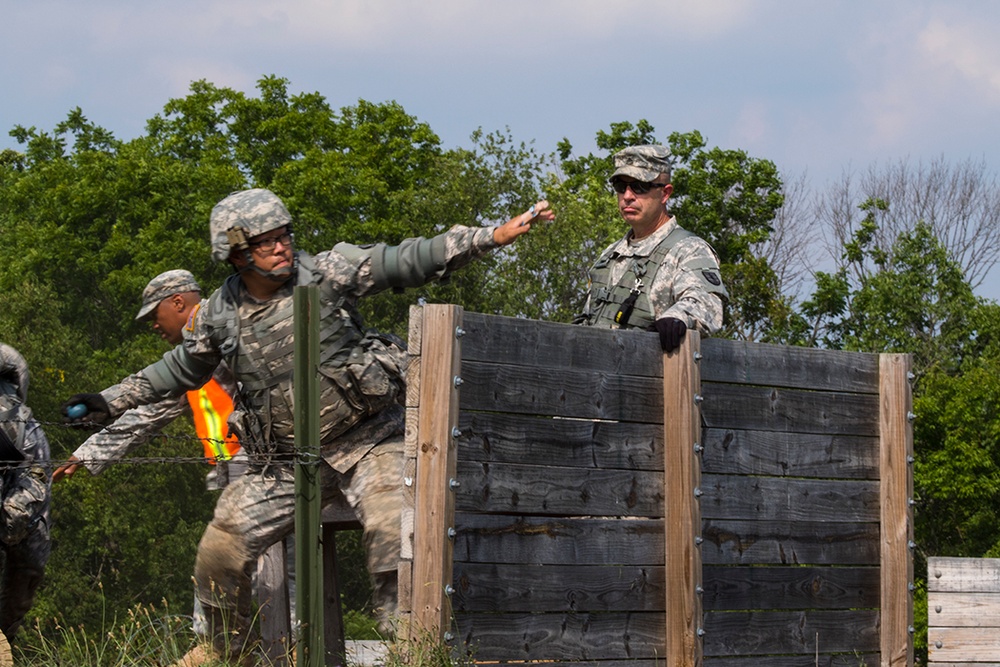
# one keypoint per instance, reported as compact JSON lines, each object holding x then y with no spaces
{"x":573,"y":636}
{"x":851,"y":659}
{"x":756,"y":408}
{"x":436,"y":458}
{"x":781,"y":453}
{"x":971,"y":610}
{"x":551,"y":345}
{"x":272,"y":596}
{"x":962,"y":644}
{"x":491,"y":538}
{"x":570,"y":393}
{"x":772,"y":498}
{"x":963,"y":574}
{"x":493,"y":587}
{"x":746,"y":588}
{"x":895,"y":491}
{"x":554,"y":490}
{"x":682,"y":517}
{"x":770,"y":632}
{"x":740,"y":362}
{"x":789,"y":543}
{"x":585,"y":443}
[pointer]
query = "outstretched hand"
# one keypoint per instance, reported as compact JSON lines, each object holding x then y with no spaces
{"x":521,"y":224}
{"x":66,"y":470}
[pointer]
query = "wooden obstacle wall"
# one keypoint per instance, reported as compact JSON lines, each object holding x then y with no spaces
{"x":963,"y":612}
{"x":542,"y":525}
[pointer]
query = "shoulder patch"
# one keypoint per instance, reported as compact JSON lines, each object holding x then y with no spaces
{"x":711,"y":277}
{"x":194,"y":313}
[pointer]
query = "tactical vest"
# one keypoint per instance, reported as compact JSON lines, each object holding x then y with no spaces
{"x":359,"y":374}
{"x":211,"y":406}
{"x":606,"y":302}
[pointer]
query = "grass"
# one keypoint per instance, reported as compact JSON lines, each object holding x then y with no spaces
{"x":155,"y":636}
{"x":147,"y":636}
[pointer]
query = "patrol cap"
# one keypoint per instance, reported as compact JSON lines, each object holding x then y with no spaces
{"x":166,"y":284}
{"x":643,"y":163}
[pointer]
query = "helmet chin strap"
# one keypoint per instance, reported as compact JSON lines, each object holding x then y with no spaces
{"x":275,"y":276}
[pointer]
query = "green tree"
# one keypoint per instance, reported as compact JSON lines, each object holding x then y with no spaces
{"x":89,"y":219}
{"x":910,"y":298}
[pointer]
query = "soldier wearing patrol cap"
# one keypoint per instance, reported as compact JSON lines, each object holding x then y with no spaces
{"x":248,"y":322}
{"x":168,"y":301}
{"x":659,"y":276}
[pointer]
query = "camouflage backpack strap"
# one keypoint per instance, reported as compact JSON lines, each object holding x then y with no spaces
{"x":222,"y":316}
{"x":14,"y":416}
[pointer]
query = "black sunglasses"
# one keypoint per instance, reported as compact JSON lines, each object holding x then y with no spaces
{"x":267,"y":245}
{"x":638,"y":187}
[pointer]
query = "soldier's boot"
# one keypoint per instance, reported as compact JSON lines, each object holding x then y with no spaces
{"x":6,"y":659}
{"x":230,"y":633}
{"x":386,"y":599}
{"x":201,"y":654}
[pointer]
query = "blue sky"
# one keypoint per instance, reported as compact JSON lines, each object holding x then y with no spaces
{"x":819,"y":88}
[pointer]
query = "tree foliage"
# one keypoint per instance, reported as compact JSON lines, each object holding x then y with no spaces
{"x":88,"y":219}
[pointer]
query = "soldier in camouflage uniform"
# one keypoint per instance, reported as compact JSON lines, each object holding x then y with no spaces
{"x":25,"y":492}
{"x":659,"y":276}
{"x":248,"y":322}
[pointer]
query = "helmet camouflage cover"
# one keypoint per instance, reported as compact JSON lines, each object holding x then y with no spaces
{"x":254,"y":211}
{"x":14,"y":369}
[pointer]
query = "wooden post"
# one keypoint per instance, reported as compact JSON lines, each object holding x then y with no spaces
{"x":895,"y":492}
{"x":681,"y":477}
{"x":272,"y":594}
{"x":308,"y":502}
{"x":434,"y":501}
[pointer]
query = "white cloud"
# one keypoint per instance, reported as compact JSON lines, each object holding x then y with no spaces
{"x":968,"y":49}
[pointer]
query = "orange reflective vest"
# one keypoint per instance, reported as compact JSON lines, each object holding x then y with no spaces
{"x":211,"y":406}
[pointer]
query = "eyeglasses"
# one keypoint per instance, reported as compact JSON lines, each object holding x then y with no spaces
{"x":638,"y":187}
{"x":267,"y":245}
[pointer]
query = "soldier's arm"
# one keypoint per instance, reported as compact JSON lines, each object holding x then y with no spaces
{"x":418,"y":261}
{"x":130,"y":430}
{"x":693,"y":283}
{"x":176,"y":372}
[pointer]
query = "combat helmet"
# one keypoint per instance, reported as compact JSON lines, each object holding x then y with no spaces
{"x":14,"y":370}
{"x":243,"y":215}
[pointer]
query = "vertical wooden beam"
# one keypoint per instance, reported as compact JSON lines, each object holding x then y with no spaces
{"x":895,"y":492}
{"x":434,"y":502}
{"x":682,"y":475}
{"x":272,"y":596}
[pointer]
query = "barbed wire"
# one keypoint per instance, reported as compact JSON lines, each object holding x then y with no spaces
{"x":264,"y":457}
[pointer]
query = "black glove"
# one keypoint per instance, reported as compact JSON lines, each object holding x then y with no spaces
{"x":671,"y":332}
{"x":97,"y":410}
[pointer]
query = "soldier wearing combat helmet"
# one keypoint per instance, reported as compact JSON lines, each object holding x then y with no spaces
{"x":248,"y":323}
{"x":25,"y":494}
{"x":659,"y":276}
